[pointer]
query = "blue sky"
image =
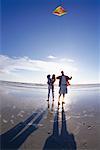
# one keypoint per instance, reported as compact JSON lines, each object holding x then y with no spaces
{"x":35,"y":42}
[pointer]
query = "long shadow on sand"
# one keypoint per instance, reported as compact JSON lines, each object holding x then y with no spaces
{"x":15,"y":137}
{"x":62,"y":141}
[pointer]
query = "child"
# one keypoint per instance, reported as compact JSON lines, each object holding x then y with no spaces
{"x":50,"y":83}
{"x":53,"y":80}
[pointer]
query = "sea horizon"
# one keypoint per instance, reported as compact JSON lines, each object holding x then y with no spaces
{"x":44,"y":84}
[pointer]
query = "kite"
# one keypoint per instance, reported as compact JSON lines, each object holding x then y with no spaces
{"x":59,"y":11}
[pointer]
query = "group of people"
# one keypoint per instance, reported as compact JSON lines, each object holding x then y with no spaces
{"x":63,"y":83}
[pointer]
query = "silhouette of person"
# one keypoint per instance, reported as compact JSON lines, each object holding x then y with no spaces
{"x":60,"y":140}
{"x":50,"y":83}
{"x":63,"y":83}
{"x":53,"y":80}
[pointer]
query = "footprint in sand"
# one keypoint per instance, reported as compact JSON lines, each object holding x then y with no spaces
{"x":30,"y":123}
{"x":12,"y":121}
{"x":90,"y":126}
{"x":20,"y":114}
{"x":4,"y":121}
{"x":40,"y":125}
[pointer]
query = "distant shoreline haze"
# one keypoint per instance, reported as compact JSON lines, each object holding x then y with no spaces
{"x":40,"y":84}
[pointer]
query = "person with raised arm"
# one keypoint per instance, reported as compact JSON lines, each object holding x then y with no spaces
{"x":63,"y":83}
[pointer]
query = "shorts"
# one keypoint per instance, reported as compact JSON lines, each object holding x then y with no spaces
{"x":63,"y":89}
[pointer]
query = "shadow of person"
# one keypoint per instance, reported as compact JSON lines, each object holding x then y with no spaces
{"x":63,"y":140}
{"x":15,"y":137}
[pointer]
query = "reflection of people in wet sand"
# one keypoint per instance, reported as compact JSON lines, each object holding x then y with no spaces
{"x":52,"y":106}
{"x":50,"y":83}
{"x":62,"y":140}
{"x":63,"y":83}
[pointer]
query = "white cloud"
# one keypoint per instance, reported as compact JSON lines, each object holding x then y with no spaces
{"x":51,"y":57}
{"x":13,"y":66}
{"x":66,"y":60}
{"x":70,"y":60}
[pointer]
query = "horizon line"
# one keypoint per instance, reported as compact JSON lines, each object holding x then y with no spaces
{"x":45,"y":83}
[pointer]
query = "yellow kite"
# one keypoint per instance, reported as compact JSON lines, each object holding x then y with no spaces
{"x":59,"y":11}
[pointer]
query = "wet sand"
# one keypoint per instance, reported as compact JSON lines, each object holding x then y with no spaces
{"x":28,"y":121}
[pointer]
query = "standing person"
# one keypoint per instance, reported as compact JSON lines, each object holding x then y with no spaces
{"x":63,"y":83}
{"x":53,"y":80}
{"x":50,"y":83}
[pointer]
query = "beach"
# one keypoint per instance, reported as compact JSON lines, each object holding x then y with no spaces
{"x":28,"y":121}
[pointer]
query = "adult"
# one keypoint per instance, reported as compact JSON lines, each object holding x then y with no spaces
{"x":63,"y":83}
